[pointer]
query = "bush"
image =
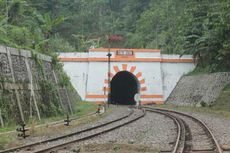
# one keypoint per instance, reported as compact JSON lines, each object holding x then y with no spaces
{"x":203,"y":104}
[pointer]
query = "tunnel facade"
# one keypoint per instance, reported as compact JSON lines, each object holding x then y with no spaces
{"x":157,"y":74}
{"x":124,"y":86}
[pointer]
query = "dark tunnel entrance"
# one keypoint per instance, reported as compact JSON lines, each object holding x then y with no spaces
{"x":124,"y":86}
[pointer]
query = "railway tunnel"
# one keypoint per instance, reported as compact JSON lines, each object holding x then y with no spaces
{"x":124,"y":86}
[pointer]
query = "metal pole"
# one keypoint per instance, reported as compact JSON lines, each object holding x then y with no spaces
{"x":109,"y":93}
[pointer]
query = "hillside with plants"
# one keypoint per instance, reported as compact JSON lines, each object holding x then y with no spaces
{"x":201,"y":28}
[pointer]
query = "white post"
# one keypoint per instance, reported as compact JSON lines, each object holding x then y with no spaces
{"x":16,"y":91}
{"x":57,"y":87}
{"x":68,"y":100}
{"x":32,"y":89}
{"x":137,"y":98}
{"x":1,"y":119}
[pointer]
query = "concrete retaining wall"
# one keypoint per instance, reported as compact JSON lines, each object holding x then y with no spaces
{"x":20,"y":92}
{"x":192,"y":90}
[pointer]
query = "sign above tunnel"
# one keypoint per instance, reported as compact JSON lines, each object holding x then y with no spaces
{"x":124,"y":52}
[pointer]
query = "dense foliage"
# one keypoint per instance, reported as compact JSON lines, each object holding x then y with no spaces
{"x":198,"y":27}
{"x":23,"y":26}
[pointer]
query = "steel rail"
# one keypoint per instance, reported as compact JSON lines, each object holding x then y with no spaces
{"x":60,"y":146}
{"x":55,"y":123}
{"x":63,"y":136}
{"x":205,"y":127}
{"x":179,"y":128}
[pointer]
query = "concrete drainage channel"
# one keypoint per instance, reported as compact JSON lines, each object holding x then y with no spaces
{"x":65,"y":140}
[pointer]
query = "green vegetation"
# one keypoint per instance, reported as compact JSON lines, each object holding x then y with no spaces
{"x":218,"y":111}
{"x":200,"y":28}
{"x":199,"y":71}
{"x":195,"y":27}
{"x":5,"y":140}
{"x":10,"y":127}
{"x":220,"y":108}
{"x":10,"y":139}
{"x":50,"y":99}
{"x":47,"y":98}
{"x":223,"y":101}
{"x":82,"y":108}
{"x":6,"y":106}
{"x":22,"y":25}
{"x":227,"y":88}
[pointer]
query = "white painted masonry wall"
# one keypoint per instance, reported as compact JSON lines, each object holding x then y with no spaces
{"x":77,"y":71}
{"x":78,"y":76}
{"x":172,"y":72}
{"x":97,"y":75}
{"x":88,"y":77}
{"x":147,"y":55}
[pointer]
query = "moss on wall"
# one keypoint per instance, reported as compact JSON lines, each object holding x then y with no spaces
{"x":43,"y":89}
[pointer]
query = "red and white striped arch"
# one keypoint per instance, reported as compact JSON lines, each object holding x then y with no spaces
{"x":133,"y":70}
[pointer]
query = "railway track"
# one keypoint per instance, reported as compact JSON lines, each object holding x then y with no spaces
{"x":56,"y":123}
{"x":192,"y":134}
{"x":65,"y":140}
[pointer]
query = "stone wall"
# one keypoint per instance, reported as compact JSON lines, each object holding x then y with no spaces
{"x":194,"y":90}
{"x":21,"y":93}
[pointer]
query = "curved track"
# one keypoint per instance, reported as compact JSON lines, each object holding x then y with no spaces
{"x":193,"y":135}
{"x":180,"y":129}
{"x":65,"y":140}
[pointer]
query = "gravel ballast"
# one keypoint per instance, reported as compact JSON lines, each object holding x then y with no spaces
{"x":85,"y":134}
{"x":154,"y":130}
{"x":219,"y":126}
{"x":117,"y":112}
{"x":159,"y":133}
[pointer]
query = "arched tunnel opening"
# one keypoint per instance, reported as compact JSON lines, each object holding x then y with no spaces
{"x":124,"y":86}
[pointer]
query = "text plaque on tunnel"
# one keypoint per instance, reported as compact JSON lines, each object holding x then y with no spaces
{"x":125,"y":52}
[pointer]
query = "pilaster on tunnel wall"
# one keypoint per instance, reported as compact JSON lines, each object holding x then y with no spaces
{"x":23,"y":76}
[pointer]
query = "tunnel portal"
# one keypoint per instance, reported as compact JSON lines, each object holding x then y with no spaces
{"x":124,"y":86}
